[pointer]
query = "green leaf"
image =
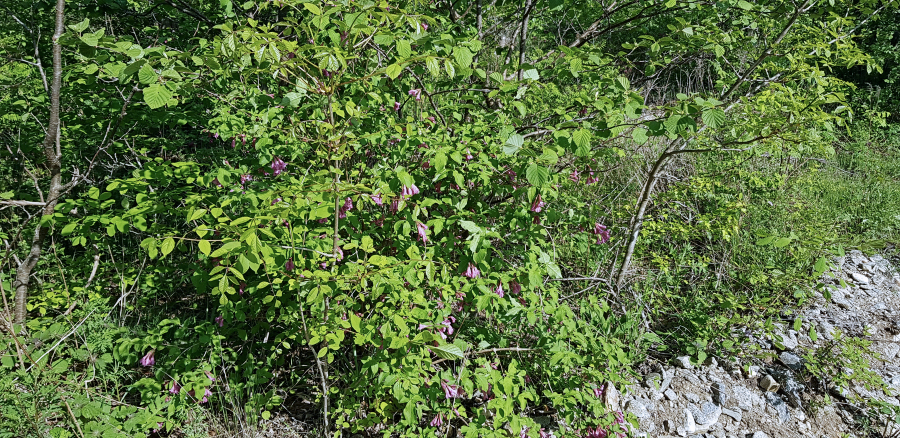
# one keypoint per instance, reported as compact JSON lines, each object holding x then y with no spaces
{"x":797,"y":323}
{"x":531,"y":74}
{"x":197,"y":214}
{"x":312,"y":8}
{"x":167,"y":246}
{"x":204,"y":246}
{"x":538,"y":176}
{"x":463,"y":56}
{"x":582,"y":140}
{"x":513,"y":143}
{"x":765,"y":241}
{"x":403,"y":48}
{"x":147,"y":76}
{"x":393,"y":71}
{"x":639,"y":135}
{"x":713,"y":117}
{"x":781,"y":243}
{"x":156,"y":96}
{"x":449,"y":351}
{"x":745,"y":5}
{"x":813,"y":336}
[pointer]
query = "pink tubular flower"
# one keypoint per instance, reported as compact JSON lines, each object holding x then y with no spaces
{"x":599,"y":432}
{"x":424,"y":26}
{"x":175,"y":389}
{"x":538,"y":204}
{"x":437,"y":421}
{"x":216,"y":182}
{"x":416,"y":93}
{"x":209,"y":376}
{"x":289,"y":265}
{"x":395,"y":205}
{"x":242,"y":288}
{"x":396,"y":106}
{"x":472,"y":271}
{"x":602,"y":233}
{"x":377,"y":199}
{"x":220,"y":320}
{"x":591,"y":179}
{"x":148,"y":359}
{"x":544,"y":433}
{"x":423,"y":231}
{"x":340,"y":254}
{"x":206,"y":394}
{"x":536,"y":220}
{"x":245,"y":178}
{"x":515,"y":288}
{"x":278,"y":166}
{"x":574,"y":176}
{"x":469,"y":156}
{"x":499,"y":289}
{"x":275,"y":201}
{"x":451,"y":391}
{"x":447,"y":327}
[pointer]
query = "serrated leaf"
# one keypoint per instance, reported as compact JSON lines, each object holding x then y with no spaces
{"x":713,"y":117}
{"x":404,"y":49}
{"x":531,"y":74}
{"x":463,"y":56}
{"x":393,"y":71}
{"x":513,"y":144}
{"x":451,"y":71}
{"x":538,"y":176}
{"x":156,"y":96}
{"x":449,"y":351}
{"x":146,"y":75}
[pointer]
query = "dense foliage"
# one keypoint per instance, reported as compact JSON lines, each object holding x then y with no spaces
{"x":407,"y":218}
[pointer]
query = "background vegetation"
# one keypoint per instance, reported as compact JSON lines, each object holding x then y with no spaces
{"x":417,"y":217}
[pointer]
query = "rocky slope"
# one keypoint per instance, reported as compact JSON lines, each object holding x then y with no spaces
{"x":773,"y":397}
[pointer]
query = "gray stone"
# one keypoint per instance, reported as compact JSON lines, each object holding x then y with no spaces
{"x":759,"y":434}
{"x":638,"y":407}
{"x":889,"y":351}
{"x":656,"y":395}
{"x":733,"y":414}
{"x":826,"y":330}
{"x":670,"y":426}
{"x":684,"y":362}
{"x":690,"y":377}
{"x":720,"y":394}
{"x":791,"y":360}
{"x":778,"y":407}
{"x":691,"y":397}
{"x":611,"y":397}
{"x":743,"y":397}
{"x":789,"y":386}
{"x":706,"y":415}
{"x":670,"y":395}
{"x":768,"y":384}
{"x":859,"y":278}
{"x":689,"y":426}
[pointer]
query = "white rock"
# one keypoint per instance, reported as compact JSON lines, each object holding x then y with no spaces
{"x":684,"y":362}
{"x":859,"y":278}
{"x":760,"y":434}
{"x":689,"y":425}
{"x":670,"y":394}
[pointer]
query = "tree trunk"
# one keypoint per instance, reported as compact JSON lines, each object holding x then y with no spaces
{"x":53,"y":153}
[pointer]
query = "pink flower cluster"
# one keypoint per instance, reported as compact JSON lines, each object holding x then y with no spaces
{"x":422,"y":229}
{"x":348,"y":205}
{"x":472,"y":272}
{"x":416,"y":93}
{"x":447,"y":328}
{"x":538,"y":204}
{"x":406,"y":192}
{"x":602,"y":233}
{"x":451,"y":391}
{"x":278,"y":166}
{"x":148,"y":359}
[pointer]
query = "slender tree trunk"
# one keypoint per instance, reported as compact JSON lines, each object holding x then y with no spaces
{"x":523,"y":35}
{"x":53,"y":154}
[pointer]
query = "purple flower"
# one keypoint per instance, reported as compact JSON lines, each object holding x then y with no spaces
{"x":447,"y":328}
{"x":602,"y":233}
{"x":451,"y":391}
{"x":514,"y":287}
{"x":278,"y":166}
{"x":220,"y":320}
{"x":469,"y":156}
{"x":289,"y":265}
{"x":206,"y":394}
{"x":544,"y":433}
{"x":275,"y":201}
{"x":175,"y":389}
{"x":417,"y":93}
{"x":536,"y":220}
{"x":424,"y":26}
{"x":437,"y":421}
{"x":538,"y":204}
{"x":209,"y":376}
{"x":395,"y":205}
{"x":245,"y":178}
{"x":242,"y":288}
{"x":423,"y":231}
{"x":499,"y":289}
{"x":599,"y":432}
{"x":574,"y":176}
{"x":524,"y":432}
{"x":396,"y":106}
{"x":377,"y":199}
{"x":591,"y":178}
{"x":472,"y":271}
{"x":340,"y":254}
{"x":216,"y":182}
{"x":348,"y":205}
{"x":598,"y":392}
{"x":148,"y":359}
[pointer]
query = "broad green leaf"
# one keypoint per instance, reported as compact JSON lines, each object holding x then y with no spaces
{"x":403,"y":48}
{"x":146,"y":75}
{"x":513,"y":143}
{"x":538,"y":176}
{"x":448,"y":351}
{"x":393,"y":71}
{"x":639,"y":135}
{"x":781,"y":243}
{"x":156,"y":96}
{"x":204,"y":246}
{"x":167,"y":246}
{"x":713,"y":117}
